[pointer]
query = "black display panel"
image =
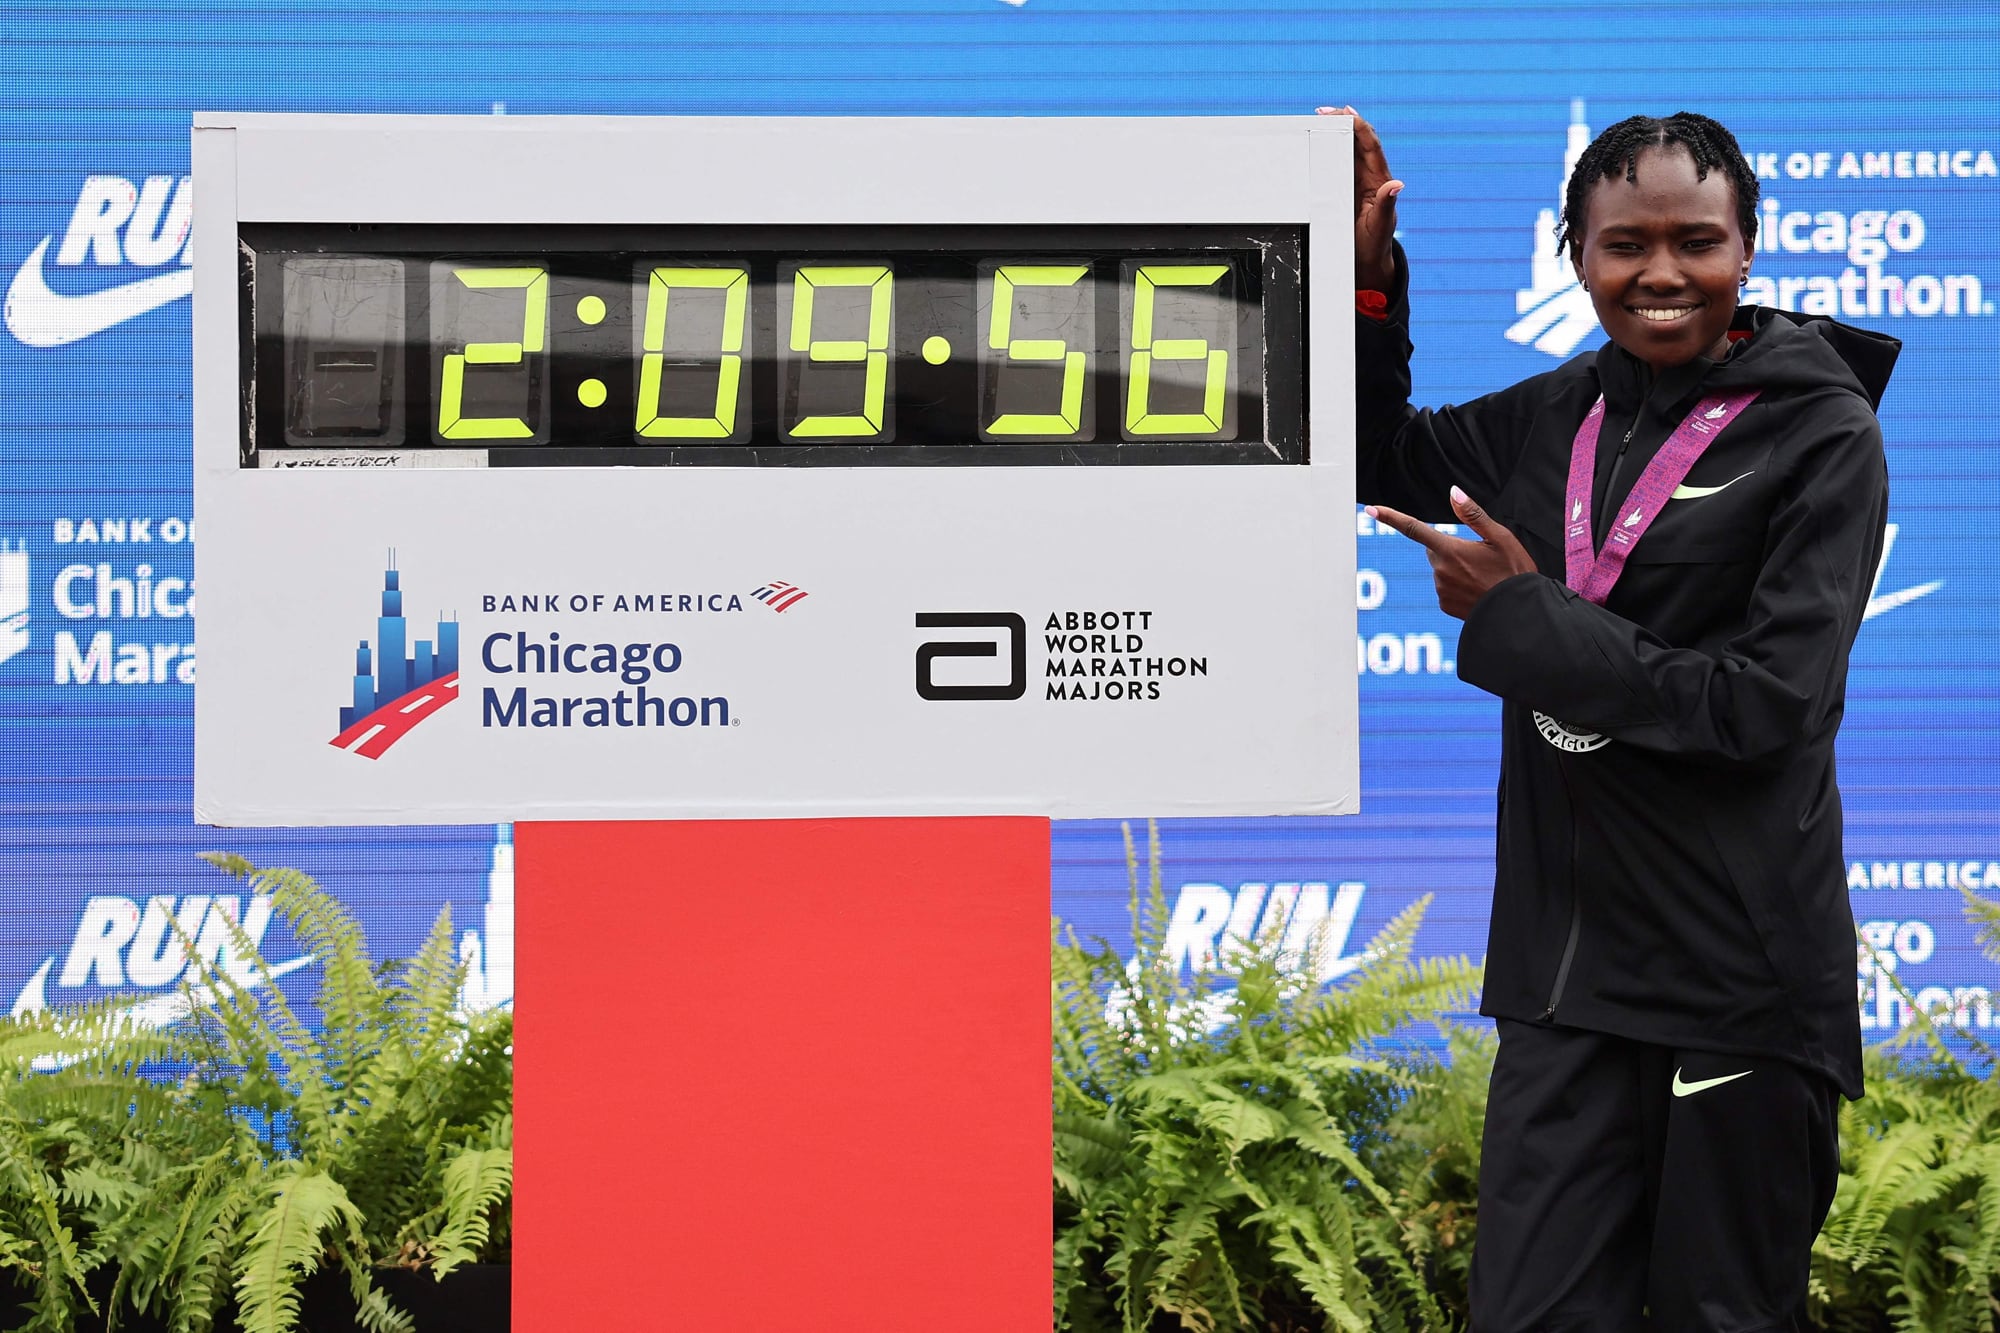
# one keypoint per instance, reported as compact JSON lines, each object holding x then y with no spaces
{"x":777,"y":345}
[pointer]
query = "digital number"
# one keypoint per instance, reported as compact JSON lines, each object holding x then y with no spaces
{"x":534,"y":284}
{"x":872,"y":352}
{"x":1140,"y":419}
{"x":1068,"y":419}
{"x":734,"y":284}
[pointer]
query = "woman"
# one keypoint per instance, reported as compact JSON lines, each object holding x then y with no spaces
{"x":1676,"y":536}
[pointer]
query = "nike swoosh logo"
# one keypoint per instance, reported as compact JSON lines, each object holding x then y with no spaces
{"x":1696,"y":492}
{"x":156,"y":1012}
{"x":43,"y":318}
{"x":1690,"y":1089}
{"x":1890,"y":601}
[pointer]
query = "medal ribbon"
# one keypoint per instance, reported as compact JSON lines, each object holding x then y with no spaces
{"x":1593,"y":573}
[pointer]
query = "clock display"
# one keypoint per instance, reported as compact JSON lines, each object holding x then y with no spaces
{"x":777,"y":345}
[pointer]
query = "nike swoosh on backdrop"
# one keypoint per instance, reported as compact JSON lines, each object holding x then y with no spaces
{"x":43,"y":318}
{"x":1689,"y":1089}
{"x":1890,"y":601}
{"x":1696,"y":492}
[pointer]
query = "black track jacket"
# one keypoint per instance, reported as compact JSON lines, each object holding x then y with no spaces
{"x":1669,"y":862}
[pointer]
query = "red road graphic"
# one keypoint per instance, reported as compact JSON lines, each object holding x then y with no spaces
{"x":371,"y":736}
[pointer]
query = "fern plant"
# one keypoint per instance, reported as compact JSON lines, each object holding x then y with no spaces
{"x":1219,"y":1153}
{"x":383,"y":1137}
{"x":1912,"y":1242}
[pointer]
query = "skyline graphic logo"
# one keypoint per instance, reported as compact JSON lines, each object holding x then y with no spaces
{"x":397,"y":684}
{"x":13,"y":599}
{"x":1554,"y":309}
{"x":780,"y":596}
{"x":116,"y":225}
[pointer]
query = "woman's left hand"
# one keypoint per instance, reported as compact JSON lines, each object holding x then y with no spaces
{"x":1463,"y":570}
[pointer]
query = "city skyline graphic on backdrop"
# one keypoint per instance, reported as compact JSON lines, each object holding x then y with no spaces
{"x":397,"y":683}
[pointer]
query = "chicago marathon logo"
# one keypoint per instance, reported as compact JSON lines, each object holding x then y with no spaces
{"x":13,"y":599}
{"x":1554,"y":309}
{"x":397,"y":684}
{"x":1568,"y":739}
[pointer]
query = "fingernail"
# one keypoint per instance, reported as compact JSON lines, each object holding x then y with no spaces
{"x":1371,"y":511}
{"x":1459,"y":497}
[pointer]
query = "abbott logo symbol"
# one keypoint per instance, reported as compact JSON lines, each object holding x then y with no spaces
{"x":1016,"y":629}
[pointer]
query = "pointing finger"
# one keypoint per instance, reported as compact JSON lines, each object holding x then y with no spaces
{"x":1475,"y":517}
{"x":1490,"y":530}
{"x":1415,"y":529}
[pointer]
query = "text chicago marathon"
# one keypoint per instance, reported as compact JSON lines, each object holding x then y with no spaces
{"x":506,"y":653}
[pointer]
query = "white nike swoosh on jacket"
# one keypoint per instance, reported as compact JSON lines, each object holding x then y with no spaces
{"x":43,"y":318}
{"x":1696,"y":492}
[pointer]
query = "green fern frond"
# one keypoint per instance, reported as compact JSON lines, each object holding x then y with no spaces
{"x":374,"y":1311}
{"x":475,"y":1183}
{"x":45,"y":1246}
{"x":429,"y":994}
{"x":1984,"y":914}
{"x":286,"y":1241}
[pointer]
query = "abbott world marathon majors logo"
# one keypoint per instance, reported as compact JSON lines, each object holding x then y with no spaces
{"x":124,"y":253}
{"x":1850,"y":254}
{"x":1085,"y":656}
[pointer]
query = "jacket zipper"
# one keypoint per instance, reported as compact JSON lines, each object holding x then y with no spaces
{"x":1575,"y":895}
{"x":1617,"y":463}
{"x":1575,"y":905}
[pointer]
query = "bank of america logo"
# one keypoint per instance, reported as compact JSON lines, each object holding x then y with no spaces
{"x":1554,"y":309}
{"x":780,"y":596}
{"x":13,"y":599}
{"x":397,"y":684}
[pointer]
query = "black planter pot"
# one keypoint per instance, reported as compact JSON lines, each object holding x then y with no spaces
{"x":474,"y":1298}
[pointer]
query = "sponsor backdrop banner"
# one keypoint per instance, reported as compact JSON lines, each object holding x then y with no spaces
{"x":1872,"y":131}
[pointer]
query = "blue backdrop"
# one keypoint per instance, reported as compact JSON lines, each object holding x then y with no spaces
{"x":1874,"y":129}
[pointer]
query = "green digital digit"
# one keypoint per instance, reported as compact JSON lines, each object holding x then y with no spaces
{"x":1139,"y":418}
{"x":734,"y":284}
{"x":534,"y":283}
{"x":1068,"y":419}
{"x":873,"y":352}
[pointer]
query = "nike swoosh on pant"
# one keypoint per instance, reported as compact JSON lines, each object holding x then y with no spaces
{"x":1696,"y":492}
{"x":1689,"y":1089}
{"x":43,"y":318}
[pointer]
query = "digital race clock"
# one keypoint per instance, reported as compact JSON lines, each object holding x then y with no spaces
{"x":674,"y":467}
{"x":760,"y":344}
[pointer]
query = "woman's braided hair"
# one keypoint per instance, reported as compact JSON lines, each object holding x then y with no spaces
{"x":1616,"y":153}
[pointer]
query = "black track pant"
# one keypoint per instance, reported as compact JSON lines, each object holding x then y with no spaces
{"x":1627,"y":1187}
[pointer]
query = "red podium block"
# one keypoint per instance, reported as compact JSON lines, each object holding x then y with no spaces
{"x":782,"y":1075}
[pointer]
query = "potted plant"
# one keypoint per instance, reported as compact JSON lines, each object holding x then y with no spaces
{"x":238,"y":1169}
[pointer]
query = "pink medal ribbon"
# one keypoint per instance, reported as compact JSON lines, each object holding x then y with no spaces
{"x":1592,"y":573}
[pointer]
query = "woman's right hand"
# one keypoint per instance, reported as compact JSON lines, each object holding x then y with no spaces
{"x":1375,"y":192}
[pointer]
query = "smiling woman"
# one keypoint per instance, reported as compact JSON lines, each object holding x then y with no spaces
{"x":1663,"y":245}
{"x":1676,"y":538}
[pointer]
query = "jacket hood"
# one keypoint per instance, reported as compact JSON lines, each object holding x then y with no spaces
{"x":1784,"y":351}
